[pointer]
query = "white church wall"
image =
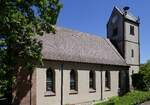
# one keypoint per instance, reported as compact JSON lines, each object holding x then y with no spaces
{"x":132,"y":70}
{"x":83,"y":93}
{"x":114,"y":85}
{"x":41,"y":98}
{"x":133,"y":38}
{"x":135,"y":59}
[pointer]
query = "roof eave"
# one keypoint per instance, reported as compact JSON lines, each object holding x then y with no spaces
{"x":124,"y":65}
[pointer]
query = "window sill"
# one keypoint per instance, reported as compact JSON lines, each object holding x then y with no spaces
{"x":107,"y":89}
{"x":92,"y":90}
{"x":49,"y":93}
{"x":73,"y":92}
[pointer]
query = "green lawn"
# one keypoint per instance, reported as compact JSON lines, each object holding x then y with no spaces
{"x":131,"y":98}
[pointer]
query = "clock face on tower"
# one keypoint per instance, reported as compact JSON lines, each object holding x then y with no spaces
{"x":114,"y":19}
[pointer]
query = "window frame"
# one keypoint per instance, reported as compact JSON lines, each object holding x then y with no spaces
{"x":50,"y":79}
{"x":92,"y":81}
{"x":132,"y":53}
{"x":73,"y":84}
{"x":132,"y":30}
{"x":107,"y":80}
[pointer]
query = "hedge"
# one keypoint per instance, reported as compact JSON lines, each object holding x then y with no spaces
{"x":131,"y":98}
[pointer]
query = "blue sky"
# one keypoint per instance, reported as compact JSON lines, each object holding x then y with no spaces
{"x":92,"y":15}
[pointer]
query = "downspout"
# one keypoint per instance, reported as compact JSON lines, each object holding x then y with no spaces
{"x":62,"y":66}
{"x":101,"y":83}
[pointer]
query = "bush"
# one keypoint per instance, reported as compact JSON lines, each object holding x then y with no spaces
{"x":141,"y":80}
{"x":131,"y":98}
{"x":138,"y":82}
{"x":145,"y":71}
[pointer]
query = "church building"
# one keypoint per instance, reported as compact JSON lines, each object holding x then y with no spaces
{"x":83,"y":68}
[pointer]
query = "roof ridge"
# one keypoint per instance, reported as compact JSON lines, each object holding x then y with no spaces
{"x":129,"y":14}
{"x":77,"y":31}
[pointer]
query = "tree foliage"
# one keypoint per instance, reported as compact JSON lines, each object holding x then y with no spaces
{"x":21,"y":21}
{"x":145,"y":71}
{"x":141,"y":80}
{"x":138,"y":81}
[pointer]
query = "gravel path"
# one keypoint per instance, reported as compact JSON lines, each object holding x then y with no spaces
{"x":146,"y":103}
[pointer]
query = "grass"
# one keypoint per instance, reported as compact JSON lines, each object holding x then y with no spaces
{"x":1,"y":94}
{"x":131,"y":98}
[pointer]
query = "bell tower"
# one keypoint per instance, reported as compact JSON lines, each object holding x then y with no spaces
{"x":123,"y":32}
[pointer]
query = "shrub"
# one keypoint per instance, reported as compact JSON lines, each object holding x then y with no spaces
{"x":138,"y":82}
{"x":141,"y":80}
{"x":145,"y":70}
{"x":131,"y":98}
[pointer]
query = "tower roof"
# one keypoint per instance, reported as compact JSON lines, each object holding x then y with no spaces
{"x":128,"y":14}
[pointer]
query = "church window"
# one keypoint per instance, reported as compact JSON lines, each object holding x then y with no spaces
{"x":73,"y":80}
{"x":132,"y":53}
{"x":107,"y":80}
{"x":131,"y":30}
{"x":92,"y":84}
{"x":50,"y":80}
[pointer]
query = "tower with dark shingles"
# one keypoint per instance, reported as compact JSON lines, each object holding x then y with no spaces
{"x":123,"y":32}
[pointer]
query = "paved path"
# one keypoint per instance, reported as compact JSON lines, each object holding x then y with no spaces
{"x":146,"y":103}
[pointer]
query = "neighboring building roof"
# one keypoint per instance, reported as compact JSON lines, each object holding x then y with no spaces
{"x":129,"y":15}
{"x":69,"y":45}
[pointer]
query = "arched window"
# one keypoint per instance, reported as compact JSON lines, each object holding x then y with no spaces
{"x":92,"y":80}
{"x":50,"y":80}
{"x":107,"y":80}
{"x":73,"y":80}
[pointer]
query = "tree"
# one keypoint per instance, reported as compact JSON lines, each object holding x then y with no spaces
{"x":145,"y":71}
{"x":20,"y":22}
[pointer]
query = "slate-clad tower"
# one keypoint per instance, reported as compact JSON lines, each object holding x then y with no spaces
{"x":123,"y":32}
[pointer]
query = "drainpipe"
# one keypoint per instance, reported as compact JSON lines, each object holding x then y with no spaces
{"x":102,"y":83}
{"x":62,"y":84}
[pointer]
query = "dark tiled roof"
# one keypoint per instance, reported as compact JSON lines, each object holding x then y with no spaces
{"x":69,"y":45}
